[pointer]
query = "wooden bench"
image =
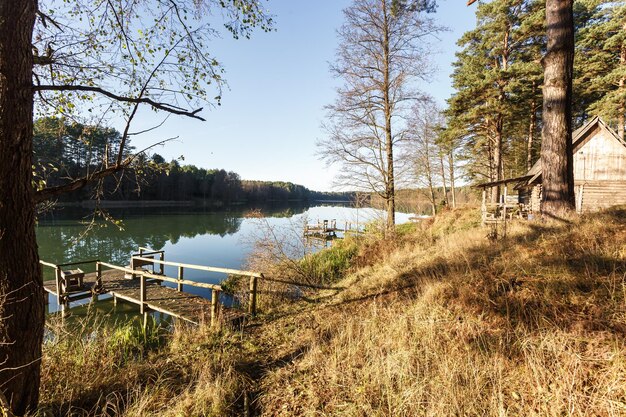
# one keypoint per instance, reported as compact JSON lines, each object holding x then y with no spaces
{"x":72,"y":280}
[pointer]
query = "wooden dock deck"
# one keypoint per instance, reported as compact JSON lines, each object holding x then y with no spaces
{"x":144,"y":288}
{"x":178,"y":304}
{"x":328,"y":229}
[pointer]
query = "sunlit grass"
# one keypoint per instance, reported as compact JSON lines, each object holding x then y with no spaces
{"x":440,"y":321}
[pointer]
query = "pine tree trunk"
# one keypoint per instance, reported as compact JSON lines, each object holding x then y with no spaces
{"x":531,"y":134}
{"x":21,"y":288}
{"x":452,"y":188}
{"x":622,"y":104}
{"x":556,"y":146}
{"x":497,"y":161}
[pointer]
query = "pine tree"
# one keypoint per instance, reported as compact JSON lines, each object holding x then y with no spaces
{"x":601,"y":62}
{"x":497,"y":77}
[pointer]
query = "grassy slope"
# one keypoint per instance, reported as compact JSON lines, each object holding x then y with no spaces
{"x":440,"y":322}
{"x":450,"y":324}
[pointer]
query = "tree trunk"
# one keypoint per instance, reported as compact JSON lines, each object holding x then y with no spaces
{"x":556,"y":146}
{"x":622,"y":105}
{"x":21,"y":288}
{"x":531,"y":134}
{"x":443,"y":180}
{"x":497,"y":160}
{"x":451,"y":167}
{"x":433,"y":201}
{"x":389,"y":185}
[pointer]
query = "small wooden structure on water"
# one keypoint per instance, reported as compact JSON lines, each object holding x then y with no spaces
{"x":599,"y":157}
{"x":327,"y":229}
{"x":139,"y":283}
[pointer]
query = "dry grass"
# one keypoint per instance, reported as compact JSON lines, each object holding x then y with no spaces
{"x":449,"y":324}
{"x":439,"y":322}
{"x":98,"y":370}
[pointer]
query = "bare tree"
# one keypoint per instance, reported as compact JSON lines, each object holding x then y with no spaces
{"x":383,"y":51}
{"x":424,"y":153}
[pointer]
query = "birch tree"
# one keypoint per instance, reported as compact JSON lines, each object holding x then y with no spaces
{"x":426,"y":156}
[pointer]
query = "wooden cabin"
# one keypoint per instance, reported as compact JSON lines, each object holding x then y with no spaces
{"x":599,"y":171}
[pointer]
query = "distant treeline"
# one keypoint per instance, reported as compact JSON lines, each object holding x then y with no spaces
{"x":65,"y":150}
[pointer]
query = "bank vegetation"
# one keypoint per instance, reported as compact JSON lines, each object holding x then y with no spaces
{"x":439,"y":321}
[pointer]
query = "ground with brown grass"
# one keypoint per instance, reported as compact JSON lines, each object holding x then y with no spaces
{"x":440,"y":321}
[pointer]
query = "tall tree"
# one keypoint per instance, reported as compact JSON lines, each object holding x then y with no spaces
{"x":425,"y":122}
{"x":493,"y":76}
{"x":79,"y":58}
{"x":383,"y":51}
{"x":556,"y":145}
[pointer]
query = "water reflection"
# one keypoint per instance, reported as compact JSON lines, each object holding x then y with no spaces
{"x":62,"y":238}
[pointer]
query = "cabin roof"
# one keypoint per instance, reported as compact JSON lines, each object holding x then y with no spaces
{"x":579,"y":138}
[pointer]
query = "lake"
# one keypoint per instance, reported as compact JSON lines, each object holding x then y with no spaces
{"x":221,"y":238}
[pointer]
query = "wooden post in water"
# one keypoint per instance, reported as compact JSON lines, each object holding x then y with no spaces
{"x":180,"y":278}
{"x":215,"y":300}
{"x":142,"y":294}
{"x":252,"y":295}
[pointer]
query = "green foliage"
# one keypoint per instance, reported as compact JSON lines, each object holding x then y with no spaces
{"x":497,"y":107}
{"x":133,"y":339}
{"x":600,"y":64}
{"x":497,"y":77}
{"x":330,"y":264}
{"x":138,"y":49}
{"x":406,"y":229}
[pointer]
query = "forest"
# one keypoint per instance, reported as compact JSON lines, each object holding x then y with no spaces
{"x":494,"y":119}
{"x":64,"y":150}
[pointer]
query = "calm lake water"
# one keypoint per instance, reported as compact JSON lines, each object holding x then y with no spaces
{"x":221,"y":238}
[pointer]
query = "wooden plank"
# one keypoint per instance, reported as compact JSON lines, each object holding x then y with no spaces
{"x":204,"y":268}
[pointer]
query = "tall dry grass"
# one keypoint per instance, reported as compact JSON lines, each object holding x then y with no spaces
{"x":450,"y":324}
{"x":439,"y":322}
{"x":91,"y":367}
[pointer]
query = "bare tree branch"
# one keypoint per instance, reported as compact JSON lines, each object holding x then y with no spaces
{"x":145,"y":100}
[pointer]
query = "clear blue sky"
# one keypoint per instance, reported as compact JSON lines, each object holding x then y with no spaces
{"x":279,"y":82}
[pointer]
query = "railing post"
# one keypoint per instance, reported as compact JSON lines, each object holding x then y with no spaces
{"x":57,"y":279}
{"x":215,"y":300}
{"x":98,"y":285}
{"x":98,"y":275}
{"x":142,"y":294}
{"x":252,"y":303}
{"x":162,"y":268}
{"x":180,"y":278}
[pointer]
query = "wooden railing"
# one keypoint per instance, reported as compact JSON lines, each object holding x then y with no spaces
{"x":180,"y":281}
{"x":145,"y":258}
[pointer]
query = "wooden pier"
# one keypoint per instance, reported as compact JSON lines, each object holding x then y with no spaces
{"x":327,"y":229}
{"x":140,"y":284}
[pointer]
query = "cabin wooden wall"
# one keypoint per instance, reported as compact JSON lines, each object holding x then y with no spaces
{"x":600,"y":158}
{"x":598,"y":195}
{"x":535,"y":199}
